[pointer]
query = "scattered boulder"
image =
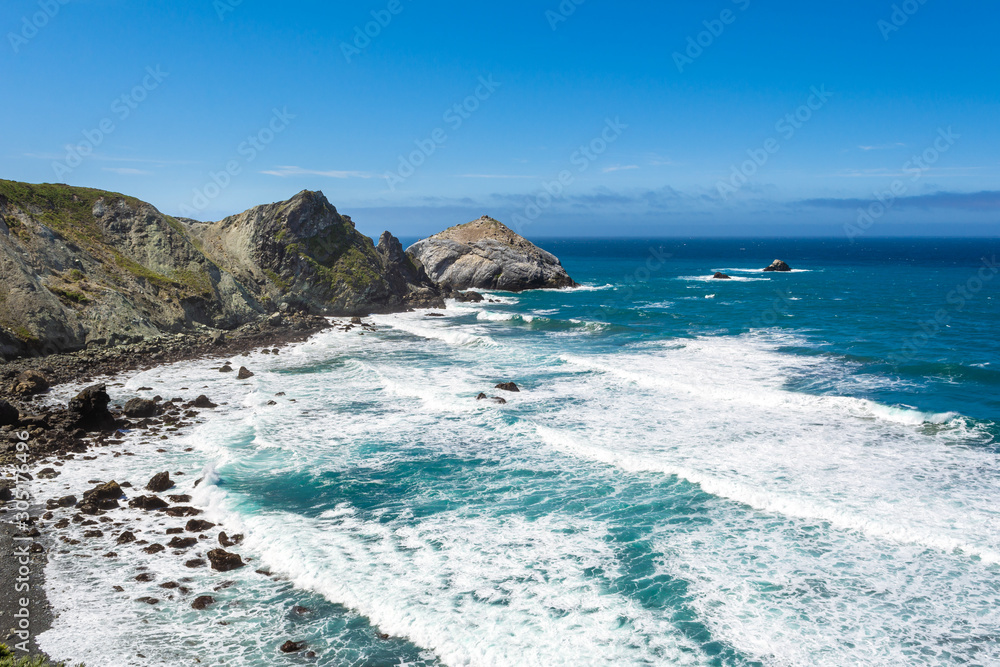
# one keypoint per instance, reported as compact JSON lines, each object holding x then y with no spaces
{"x":126,"y":537}
{"x":183,"y":510}
{"x":66,"y":501}
{"x":508,"y":386}
{"x":180,"y":498}
{"x":226,"y":369}
{"x":292,"y":647}
{"x":195,"y":562}
{"x":91,"y":408}
{"x":160,"y":482}
{"x":148,"y":503}
{"x":29,"y":383}
{"x":719,"y":275}
{"x":147,"y":600}
{"x":198,"y":525}
{"x":140,"y":408}
{"x":182,"y":542}
{"x":203,"y":402}
{"x":244,"y":373}
{"x":778,"y":265}
{"x":227,"y":541}
{"x":481,"y":397}
{"x":224,"y":561}
{"x":467,"y":297}
{"x":144,"y":577}
{"x":356,"y":320}
{"x":8,"y":414}
{"x":154,"y":549}
{"x":47,"y":473}
{"x":202,"y":601}
{"x":93,"y":533}
{"x":107,"y":491}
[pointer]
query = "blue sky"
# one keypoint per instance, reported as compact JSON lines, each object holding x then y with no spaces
{"x":728,"y":117}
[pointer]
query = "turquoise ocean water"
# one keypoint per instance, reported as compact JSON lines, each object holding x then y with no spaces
{"x":778,"y":469}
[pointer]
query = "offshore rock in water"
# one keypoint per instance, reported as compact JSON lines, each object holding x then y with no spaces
{"x":778,"y":265}
{"x":160,"y":482}
{"x":507,"y":386}
{"x":224,"y":561}
{"x":486,"y":254}
{"x":719,"y":275}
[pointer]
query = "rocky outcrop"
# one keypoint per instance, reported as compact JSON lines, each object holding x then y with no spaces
{"x":302,"y":253}
{"x":719,"y":275}
{"x":778,"y":265}
{"x":486,"y":254}
{"x":82,"y":267}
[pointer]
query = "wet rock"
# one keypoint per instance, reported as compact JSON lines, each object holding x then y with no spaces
{"x":91,"y":408}
{"x":154,"y":548}
{"x":144,"y":577}
{"x":507,"y":386}
{"x":468,"y":297}
{"x":244,"y":373}
{"x":148,"y":503}
{"x":182,"y":542}
{"x":93,"y":533}
{"x":126,"y":537}
{"x":292,"y":647}
{"x":227,"y":541}
{"x":198,"y":526}
{"x":160,"y":482}
{"x":195,"y":562}
{"x":202,"y":602}
{"x":719,"y":275}
{"x":203,"y":402}
{"x":356,"y":320}
{"x":183,"y":510}
{"x":107,"y":491}
{"x":147,"y":600}
{"x":224,"y":561}
{"x":174,"y":531}
{"x":778,"y":265}
{"x":29,"y":383}
{"x":481,"y":397}
{"x":169,"y":585}
{"x":118,"y":589}
{"x":47,"y":473}
{"x":8,"y":414}
{"x":180,"y":498}
{"x":226,"y":369}
{"x":139,"y":408}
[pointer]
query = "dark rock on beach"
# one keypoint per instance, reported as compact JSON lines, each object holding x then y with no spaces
{"x":29,"y":383}
{"x":91,"y":408}
{"x":8,"y":414}
{"x":139,"y":408}
{"x":778,"y":265}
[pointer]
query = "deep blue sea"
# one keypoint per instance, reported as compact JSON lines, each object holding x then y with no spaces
{"x":778,"y":469}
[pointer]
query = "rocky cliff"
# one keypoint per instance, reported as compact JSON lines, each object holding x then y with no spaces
{"x":80,"y":266}
{"x":486,"y":254}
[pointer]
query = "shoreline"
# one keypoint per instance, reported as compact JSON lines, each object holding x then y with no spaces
{"x":55,"y":443}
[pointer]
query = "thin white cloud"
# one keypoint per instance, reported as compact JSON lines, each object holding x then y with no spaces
{"x":108,"y":158}
{"x":494,"y":176}
{"x":126,"y":171}
{"x":883,"y":147}
{"x":620,"y":167}
{"x":285,"y":171}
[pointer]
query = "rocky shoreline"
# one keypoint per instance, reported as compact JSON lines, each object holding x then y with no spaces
{"x":56,"y":435}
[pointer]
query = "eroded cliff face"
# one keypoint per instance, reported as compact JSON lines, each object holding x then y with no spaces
{"x":486,"y":254}
{"x":81,"y":266}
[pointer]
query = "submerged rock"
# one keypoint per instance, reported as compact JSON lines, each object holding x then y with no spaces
{"x":778,"y":265}
{"x":486,"y":254}
{"x":292,"y":647}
